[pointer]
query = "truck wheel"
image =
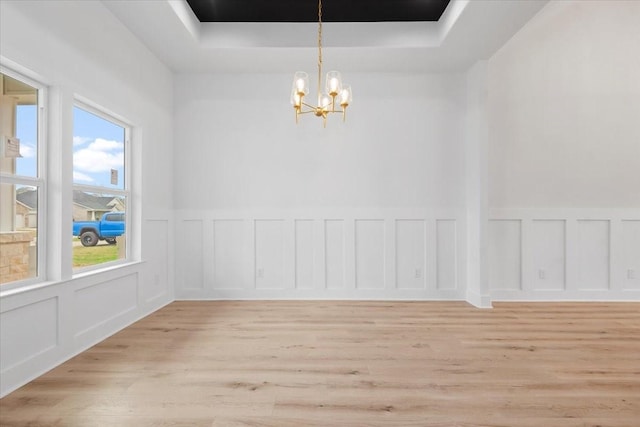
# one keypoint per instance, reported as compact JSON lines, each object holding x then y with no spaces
{"x":89,"y":238}
{"x":111,"y":241}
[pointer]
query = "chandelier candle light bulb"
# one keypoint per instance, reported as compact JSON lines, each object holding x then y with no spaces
{"x":325,"y":103}
{"x":345,"y":99}
{"x":300,"y":86}
{"x":327,"y":98}
{"x":333,"y":83}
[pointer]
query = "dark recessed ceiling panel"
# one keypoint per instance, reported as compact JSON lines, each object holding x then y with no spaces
{"x":307,"y":10}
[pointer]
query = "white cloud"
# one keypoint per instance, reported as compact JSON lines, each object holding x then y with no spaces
{"x":79,"y":176}
{"x":105,"y":145}
{"x":27,"y":150}
{"x":79,"y":140}
{"x":100,"y":156}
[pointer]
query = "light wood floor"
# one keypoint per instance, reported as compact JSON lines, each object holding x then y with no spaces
{"x":292,"y":364}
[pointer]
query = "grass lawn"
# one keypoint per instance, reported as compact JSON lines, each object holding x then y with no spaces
{"x":92,"y":255}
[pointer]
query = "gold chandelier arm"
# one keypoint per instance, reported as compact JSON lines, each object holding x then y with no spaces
{"x":313,"y":109}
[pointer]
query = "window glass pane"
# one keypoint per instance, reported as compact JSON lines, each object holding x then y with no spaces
{"x":98,"y":228}
{"x":18,"y":232}
{"x":18,"y":127}
{"x":98,"y":151}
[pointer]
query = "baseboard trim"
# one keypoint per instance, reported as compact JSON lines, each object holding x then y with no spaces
{"x":479,"y":301}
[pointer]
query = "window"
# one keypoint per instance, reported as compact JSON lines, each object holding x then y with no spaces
{"x":100,"y":188}
{"x":21,"y":179}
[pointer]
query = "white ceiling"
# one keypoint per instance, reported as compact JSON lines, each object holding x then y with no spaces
{"x":469,"y":30}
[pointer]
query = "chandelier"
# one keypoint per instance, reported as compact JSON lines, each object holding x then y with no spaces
{"x":335,"y":91}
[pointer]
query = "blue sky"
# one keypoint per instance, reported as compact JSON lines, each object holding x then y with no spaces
{"x":26,"y":131}
{"x":98,"y":147}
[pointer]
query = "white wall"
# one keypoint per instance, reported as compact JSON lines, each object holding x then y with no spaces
{"x":241,"y":157}
{"x":564,"y":107}
{"x":477,"y":140}
{"x":399,"y":147}
{"x":79,"y":48}
{"x":378,"y":207}
{"x":564,"y":156}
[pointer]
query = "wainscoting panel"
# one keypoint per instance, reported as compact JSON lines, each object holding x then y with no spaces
{"x":629,"y":254}
{"x":505,"y":263}
{"x":446,"y":271}
{"x":102,"y":302}
{"x":27,"y":332}
{"x":351,"y":254}
{"x":334,"y":253}
{"x":269,"y":254}
{"x":593,"y":254}
{"x":547,"y":239}
{"x":411,"y":254}
{"x":190,"y":255}
{"x":564,"y":254}
{"x":304,"y":253}
{"x":370,"y":254}
{"x":157,"y":241}
{"x":43,"y":326}
{"x":229,"y":253}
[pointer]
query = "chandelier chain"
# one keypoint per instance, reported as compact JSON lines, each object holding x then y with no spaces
{"x":319,"y":45}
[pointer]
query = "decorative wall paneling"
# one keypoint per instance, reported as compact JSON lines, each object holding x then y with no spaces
{"x":363,"y":255}
{"x":60,"y":320}
{"x":28,"y":343}
{"x":158,"y":238}
{"x":42,"y":326}
{"x":564,"y":254}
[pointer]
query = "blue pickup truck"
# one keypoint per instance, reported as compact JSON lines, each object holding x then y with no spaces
{"x":110,"y":226}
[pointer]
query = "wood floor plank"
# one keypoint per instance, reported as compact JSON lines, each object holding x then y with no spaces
{"x":342,"y":363}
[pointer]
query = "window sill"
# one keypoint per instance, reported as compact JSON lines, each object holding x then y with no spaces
{"x":32,"y":287}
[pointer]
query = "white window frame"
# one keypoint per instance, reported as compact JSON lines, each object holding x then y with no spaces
{"x":103,"y":113}
{"x":39,"y":181}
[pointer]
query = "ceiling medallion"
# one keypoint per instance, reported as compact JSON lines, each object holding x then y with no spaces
{"x":334,"y":90}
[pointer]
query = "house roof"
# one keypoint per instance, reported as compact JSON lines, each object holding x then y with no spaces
{"x":28,"y":197}
{"x":91,"y":201}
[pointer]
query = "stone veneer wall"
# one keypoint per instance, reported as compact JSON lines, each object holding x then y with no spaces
{"x":14,"y":255}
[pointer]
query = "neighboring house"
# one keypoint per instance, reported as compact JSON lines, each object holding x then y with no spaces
{"x":90,"y":207}
{"x":26,"y":208}
{"x":86,"y":207}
